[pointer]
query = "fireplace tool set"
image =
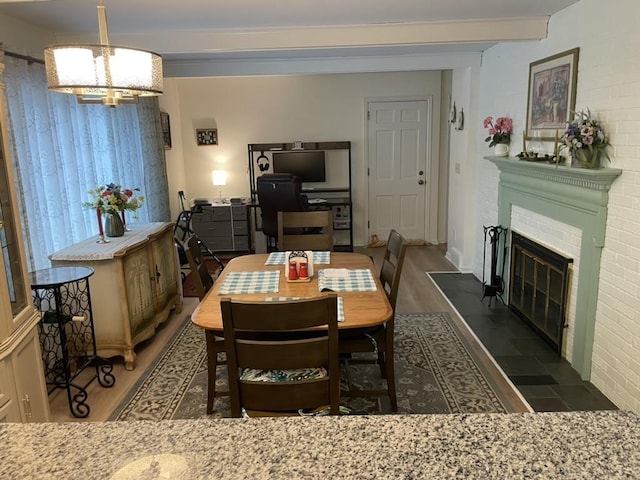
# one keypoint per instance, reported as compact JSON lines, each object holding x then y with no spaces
{"x":495,"y":286}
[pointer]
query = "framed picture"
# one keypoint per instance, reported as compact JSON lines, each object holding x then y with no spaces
{"x":552,"y":94}
{"x":166,"y":130}
{"x":207,"y":136}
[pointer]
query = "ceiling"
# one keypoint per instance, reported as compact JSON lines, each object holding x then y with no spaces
{"x":229,"y":30}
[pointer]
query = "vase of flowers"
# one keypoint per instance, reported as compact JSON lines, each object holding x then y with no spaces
{"x":113,"y":226}
{"x":586,"y":141}
{"x":499,"y":134}
{"x":112,"y":200}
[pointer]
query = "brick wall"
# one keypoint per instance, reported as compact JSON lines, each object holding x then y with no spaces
{"x":609,"y":84}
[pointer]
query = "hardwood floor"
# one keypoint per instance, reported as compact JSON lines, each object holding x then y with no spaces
{"x":417,"y":294}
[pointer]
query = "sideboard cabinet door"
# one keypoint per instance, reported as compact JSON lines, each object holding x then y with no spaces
{"x":137,"y":268}
{"x":165,"y":269}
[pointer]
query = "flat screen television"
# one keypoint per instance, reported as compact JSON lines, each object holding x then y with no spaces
{"x":309,"y":166}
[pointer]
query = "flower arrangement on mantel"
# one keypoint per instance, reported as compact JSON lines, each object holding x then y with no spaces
{"x":586,"y":141}
{"x":500,"y":131}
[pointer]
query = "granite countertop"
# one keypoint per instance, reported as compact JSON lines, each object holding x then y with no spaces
{"x":572,"y":445}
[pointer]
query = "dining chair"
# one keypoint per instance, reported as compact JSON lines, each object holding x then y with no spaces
{"x":312,"y":230}
{"x":379,"y":340}
{"x":203,"y":281}
{"x":275,"y":369}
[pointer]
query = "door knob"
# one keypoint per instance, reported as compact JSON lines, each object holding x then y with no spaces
{"x":420,"y":182}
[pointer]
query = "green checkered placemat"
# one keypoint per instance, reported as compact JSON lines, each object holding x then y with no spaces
{"x":285,"y":299}
{"x":278,"y":258}
{"x":250,"y":282}
{"x":352,"y":281}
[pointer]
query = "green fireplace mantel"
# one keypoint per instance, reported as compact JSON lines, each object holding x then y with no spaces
{"x":573,"y":196}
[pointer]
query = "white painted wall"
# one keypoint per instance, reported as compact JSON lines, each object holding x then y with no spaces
{"x":609,"y":84}
{"x":24,"y":38}
{"x":273,"y":109}
{"x":462,"y":170}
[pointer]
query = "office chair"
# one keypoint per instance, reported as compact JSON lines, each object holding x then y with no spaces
{"x":278,"y":192}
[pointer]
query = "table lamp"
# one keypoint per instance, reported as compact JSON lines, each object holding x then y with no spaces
{"x":219,"y":178}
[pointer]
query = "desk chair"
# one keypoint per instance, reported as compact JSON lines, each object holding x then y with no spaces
{"x":280,"y":370}
{"x":291,"y":225}
{"x":203,"y":282}
{"x":278,"y":192}
{"x":380,"y":339}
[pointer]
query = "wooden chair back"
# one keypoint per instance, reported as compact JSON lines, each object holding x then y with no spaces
{"x":267,"y":336}
{"x":392,"y":263}
{"x":203,"y":280}
{"x":297,"y":221}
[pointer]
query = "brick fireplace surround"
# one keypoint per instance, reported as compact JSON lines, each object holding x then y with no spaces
{"x":575,"y":197}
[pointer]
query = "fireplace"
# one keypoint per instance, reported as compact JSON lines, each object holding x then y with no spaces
{"x":576,"y":197}
{"x":538,"y":288}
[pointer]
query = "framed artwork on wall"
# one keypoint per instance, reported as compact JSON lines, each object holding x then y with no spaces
{"x":207,"y":136}
{"x":166,"y":130}
{"x":551,"y":94}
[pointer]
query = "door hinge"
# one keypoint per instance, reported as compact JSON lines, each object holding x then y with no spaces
{"x":368,"y":115}
{"x":368,"y":224}
{"x":368,"y":172}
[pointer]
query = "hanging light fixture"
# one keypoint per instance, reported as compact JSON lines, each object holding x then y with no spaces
{"x":107,"y":74}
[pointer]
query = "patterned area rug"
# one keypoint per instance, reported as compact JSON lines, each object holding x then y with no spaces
{"x":435,"y":373}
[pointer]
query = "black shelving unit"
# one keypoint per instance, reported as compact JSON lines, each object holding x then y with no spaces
{"x":337,"y":199}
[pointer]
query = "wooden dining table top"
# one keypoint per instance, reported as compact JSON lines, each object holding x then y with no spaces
{"x":361,"y":309}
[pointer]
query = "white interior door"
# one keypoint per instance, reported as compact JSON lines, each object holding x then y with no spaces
{"x":397,"y":146}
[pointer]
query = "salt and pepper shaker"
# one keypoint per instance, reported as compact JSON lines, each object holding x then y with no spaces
{"x":304,"y":273}
{"x":293,"y":272}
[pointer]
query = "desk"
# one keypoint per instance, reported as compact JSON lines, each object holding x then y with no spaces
{"x":361,"y":309}
{"x":66,"y":332}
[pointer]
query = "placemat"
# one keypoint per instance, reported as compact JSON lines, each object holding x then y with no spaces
{"x":250,"y":282}
{"x":277,"y":258}
{"x":353,"y":281}
{"x":285,"y":299}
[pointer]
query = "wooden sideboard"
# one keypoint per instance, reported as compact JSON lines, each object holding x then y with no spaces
{"x":135,"y":286}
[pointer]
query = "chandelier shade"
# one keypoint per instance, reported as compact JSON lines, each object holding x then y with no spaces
{"x":103,"y":73}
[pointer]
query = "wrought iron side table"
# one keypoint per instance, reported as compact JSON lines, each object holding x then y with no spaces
{"x":66,"y":333}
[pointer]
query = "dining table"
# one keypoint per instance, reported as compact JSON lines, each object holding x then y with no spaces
{"x":362,"y":300}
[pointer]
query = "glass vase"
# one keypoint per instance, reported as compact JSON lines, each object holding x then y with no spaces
{"x":113,"y":226}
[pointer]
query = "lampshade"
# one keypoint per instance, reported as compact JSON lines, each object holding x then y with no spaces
{"x":219,"y":178}
{"x":103,"y":73}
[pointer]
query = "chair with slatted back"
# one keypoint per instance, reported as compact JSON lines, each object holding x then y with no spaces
{"x":273,"y":368}
{"x":312,"y":230}
{"x":380,"y":339}
{"x":203,"y":282}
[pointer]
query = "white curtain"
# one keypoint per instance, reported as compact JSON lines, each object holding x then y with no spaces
{"x":61,"y":149}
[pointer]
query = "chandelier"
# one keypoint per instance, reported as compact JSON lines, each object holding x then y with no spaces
{"x":106,"y":74}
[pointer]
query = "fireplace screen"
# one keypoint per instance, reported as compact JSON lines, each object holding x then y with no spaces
{"x":538,"y":287}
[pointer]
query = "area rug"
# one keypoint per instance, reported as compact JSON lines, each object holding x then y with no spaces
{"x":435,"y":373}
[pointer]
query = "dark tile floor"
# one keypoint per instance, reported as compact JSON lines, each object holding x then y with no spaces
{"x":546,"y":381}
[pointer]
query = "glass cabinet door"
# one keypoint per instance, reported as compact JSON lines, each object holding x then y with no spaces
{"x":10,"y":238}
